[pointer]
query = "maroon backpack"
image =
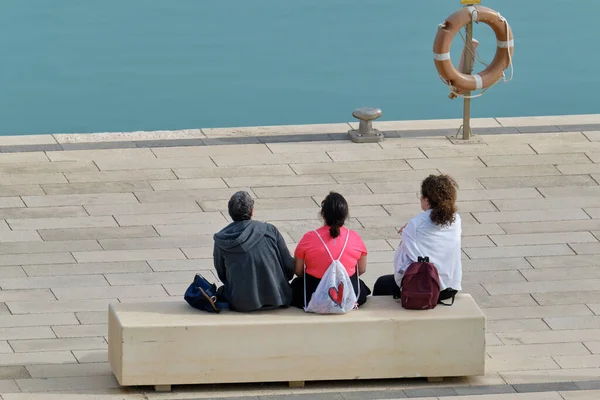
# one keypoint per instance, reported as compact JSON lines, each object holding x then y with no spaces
{"x":420,"y":286}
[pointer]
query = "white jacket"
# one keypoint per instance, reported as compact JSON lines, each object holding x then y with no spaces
{"x":422,"y":238}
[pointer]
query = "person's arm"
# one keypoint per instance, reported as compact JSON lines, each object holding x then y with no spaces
{"x":401,"y":229}
{"x":406,"y":250}
{"x":286,"y":257}
{"x":219,"y":264}
{"x":299,"y":266}
{"x":300,"y":256}
{"x":362,"y":265}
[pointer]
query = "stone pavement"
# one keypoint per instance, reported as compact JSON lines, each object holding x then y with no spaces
{"x":82,"y":228}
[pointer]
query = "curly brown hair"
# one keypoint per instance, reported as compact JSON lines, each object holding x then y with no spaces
{"x":440,"y":191}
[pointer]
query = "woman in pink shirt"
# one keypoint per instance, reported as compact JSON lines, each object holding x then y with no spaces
{"x":311,"y":252}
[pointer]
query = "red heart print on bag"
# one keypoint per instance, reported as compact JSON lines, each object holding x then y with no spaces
{"x":337,"y":295}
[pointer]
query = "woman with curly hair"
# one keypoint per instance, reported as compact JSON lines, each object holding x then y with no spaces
{"x":434,"y":233}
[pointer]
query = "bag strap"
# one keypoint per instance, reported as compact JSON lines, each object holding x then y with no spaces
{"x":304,"y":286}
{"x":448,"y":305}
{"x":343,"y":248}
{"x":357,"y":284}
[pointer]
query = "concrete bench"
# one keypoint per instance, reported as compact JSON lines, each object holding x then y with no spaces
{"x":169,"y":343}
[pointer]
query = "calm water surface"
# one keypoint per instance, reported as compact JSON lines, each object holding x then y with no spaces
{"x":124,"y":65}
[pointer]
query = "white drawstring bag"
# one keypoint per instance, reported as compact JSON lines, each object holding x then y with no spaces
{"x":335,"y":293}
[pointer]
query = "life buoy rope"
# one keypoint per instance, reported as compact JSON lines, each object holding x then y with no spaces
{"x":459,"y":82}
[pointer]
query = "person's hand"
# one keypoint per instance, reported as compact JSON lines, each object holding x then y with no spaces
{"x":401,"y":229}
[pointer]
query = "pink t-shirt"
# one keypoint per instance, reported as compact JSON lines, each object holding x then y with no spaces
{"x":317,"y":259}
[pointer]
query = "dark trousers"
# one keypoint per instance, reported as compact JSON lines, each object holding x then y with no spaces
{"x":311,"y":286}
{"x":386,"y":286}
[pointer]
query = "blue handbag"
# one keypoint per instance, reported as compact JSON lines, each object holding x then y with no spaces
{"x":202,"y":295}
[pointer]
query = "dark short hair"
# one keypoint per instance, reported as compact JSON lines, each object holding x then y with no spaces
{"x":240,"y":206}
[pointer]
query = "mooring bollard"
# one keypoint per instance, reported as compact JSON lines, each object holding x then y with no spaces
{"x":365,"y":132}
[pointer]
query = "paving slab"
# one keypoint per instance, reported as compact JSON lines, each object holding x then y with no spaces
{"x":21,"y":190}
{"x":539,"y":181}
{"x":510,"y":300}
{"x":546,"y":159}
{"x":156,"y":243}
{"x":531,"y":216}
{"x":581,"y":395}
{"x":547,"y":204}
{"x":96,"y":187}
{"x":116,"y":176}
{"x":68,"y":370}
{"x":574,"y":335}
{"x":42,"y":212}
{"x":518,"y":251}
{"x":149,"y":163}
{"x":543,"y":238}
{"x":59,"y":306}
{"x":558,"y":376}
{"x":127,"y":255}
{"x":579,"y":297}
{"x":109,"y":292}
{"x":581,"y":225}
{"x":60,"y":384}
{"x":38,"y":258}
{"x":80,"y":331}
{"x":204,"y":151}
{"x":578,"y":169}
{"x":118,"y":232}
{"x":478,"y":150}
{"x":553,"y":274}
{"x":568,"y":322}
{"x":65,"y":200}
{"x":183,"y":184}
{"x":262,"y":204}
{"x":28,"y":346}
{"x":348,"y":166}
{"x":12,"y":272}
{"x":49,"y":247}
{"x":224,"y":172}
{"x":22,"y":158}
{"x":169,"y":196}
{"x":559,"y":286}
{"x":271,"y":159}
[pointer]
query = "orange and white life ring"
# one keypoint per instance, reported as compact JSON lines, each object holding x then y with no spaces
{"x":443,"y":40}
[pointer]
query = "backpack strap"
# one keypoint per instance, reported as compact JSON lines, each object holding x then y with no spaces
{"x":357,"y":283}
{"x":305,"y":305}
{"x":343,"y":248}
{"x":448,"y":305}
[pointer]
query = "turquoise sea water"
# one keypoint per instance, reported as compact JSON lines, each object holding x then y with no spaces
{"x":124,"y":65}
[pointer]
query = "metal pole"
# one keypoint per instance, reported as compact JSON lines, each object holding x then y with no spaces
{"x":468,"y":62}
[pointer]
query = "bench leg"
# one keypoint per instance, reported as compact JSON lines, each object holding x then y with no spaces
{"x":162,"y":388}
{"x":296,"y":384}
{"x":434,"y":379}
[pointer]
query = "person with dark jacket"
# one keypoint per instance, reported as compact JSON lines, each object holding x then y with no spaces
{"x":252,"y":260}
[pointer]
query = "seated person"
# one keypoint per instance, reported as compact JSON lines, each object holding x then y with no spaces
{"x":434,"y":233}
{"x":252,"y":260}
{"x":312,"y":252}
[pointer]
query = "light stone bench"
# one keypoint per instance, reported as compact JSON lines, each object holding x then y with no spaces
{"x":170,"y":343}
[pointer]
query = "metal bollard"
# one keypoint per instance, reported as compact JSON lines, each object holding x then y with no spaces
{"x":365,"y":132}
